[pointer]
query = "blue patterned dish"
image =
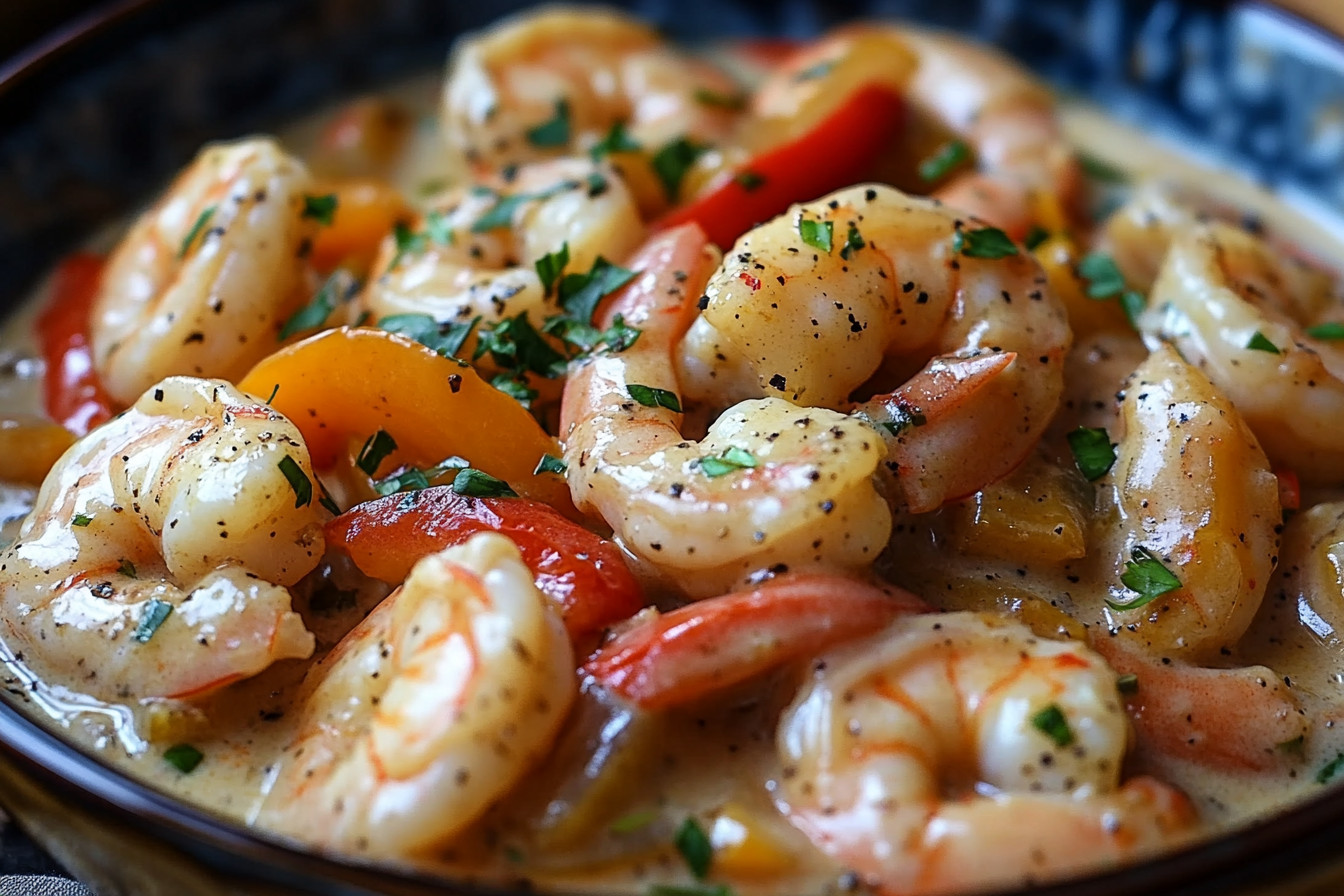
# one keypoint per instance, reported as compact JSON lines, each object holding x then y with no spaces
{"x":92,"y":124}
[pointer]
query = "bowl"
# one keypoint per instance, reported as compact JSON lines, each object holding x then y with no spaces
{"x":97,"y":117}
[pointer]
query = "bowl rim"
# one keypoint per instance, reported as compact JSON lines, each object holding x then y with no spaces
{"x":1280,"y":849}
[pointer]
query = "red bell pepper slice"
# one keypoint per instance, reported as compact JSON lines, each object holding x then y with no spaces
{"x":72,"y":391}
{"x":838,"y":152}
{"x":582,"y":572}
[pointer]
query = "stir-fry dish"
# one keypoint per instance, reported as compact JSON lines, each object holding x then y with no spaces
{"x":768,"y":467}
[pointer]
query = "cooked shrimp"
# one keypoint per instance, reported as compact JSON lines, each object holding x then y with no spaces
{"x":770,"y":487}
{"x":814,"y":325}
{"x":201,"y":284}
{"x":429,"y":710}
{"x":197,"y":503}
{"x":457,"y":269}
{"x":1237,"y":310}
{"x":955,"y":752}
{"x":1191,"y":487}
{"x":556,"y":80}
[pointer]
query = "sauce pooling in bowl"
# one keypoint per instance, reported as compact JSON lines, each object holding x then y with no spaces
{"x":790,"y":467}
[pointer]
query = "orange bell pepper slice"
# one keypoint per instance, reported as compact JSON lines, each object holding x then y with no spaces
{"x":366,"y":211}
{"x":71,"y":389}
{"x":348,"y":383}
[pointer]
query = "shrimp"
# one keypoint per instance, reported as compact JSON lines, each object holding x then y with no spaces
{"x":456,"y":269}
{"x":896,"y":291}
{"x":771,"y":488}
{"x":956,"y":751}
{"x":203,"y":281}
{"x":557,"y":80}
{"x":1010,"y":121}
{"x":1192,"y":489}
{"x":1237,"y":310}
{"x":195,"y":503}
{"x":429,"y":710}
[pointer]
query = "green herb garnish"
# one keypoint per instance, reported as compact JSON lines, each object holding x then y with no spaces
{"x":407,"y":242}
{"x":1104,"y":280}
{"x":376,"y":449}
{"x":515,"y":345}
{"x":749,"y":180}
{"x":501,"y":213}
{"x":1035,"y":237}
{"x":1147,"y":576}
{"x":693,"y":844}
{"x":732,"y":101}
{"x":730,"y":460}
{"x":580,"y":293}
{"x":817,"y":234}
{"x":298,"y":480}
{"x":1105,"y":172}
{"x":1332,"y":330}
{"x":153,"y":616}
{"x":616,"y":140}
{"x":445,"y":338}
{"x":1330,"y":769}
{"x":412,"y":479}
{"x":853,"y":242}
{"x":983,"y":242}
{"x":183,"y":757}
{"x":320,"y":208}
{"x":549,"y":463}
{"x":338,"y":288}
{"x":947,"y":157}
{"x":633,"y":821}
{"x":1092,"y":451}
{"x":672,"y":161}
{"x":202,"y":220}
{"x":652,"y":397}
{"x":902,"y":418}
{"x":473,"y":483}
{"x":1260,"y":343}
{"x":551,"y":265}
{"x":126,"y":568}
{"x":1052,"y":723}
{"x":554,"y":131}
{"x":1127,"y":684}
{"x":81,"y":520}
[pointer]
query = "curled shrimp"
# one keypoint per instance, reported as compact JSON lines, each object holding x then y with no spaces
{"x":1238,"y":311}
{"x":1193,"y":489}
{"x":798,"y":492}
{"x":193,"y":504}
{"x":813,"y":319}
{"x":468,"y":260}
{"x":956,"y":751}
{"x":203,"y":281}
{"x":581,"y":71}
{"x":429,"y":710}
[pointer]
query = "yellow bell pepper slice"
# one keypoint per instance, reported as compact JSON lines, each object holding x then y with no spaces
{"x":348,"y":383}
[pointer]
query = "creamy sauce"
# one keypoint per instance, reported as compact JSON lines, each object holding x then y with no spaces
{"x":567,"y":835}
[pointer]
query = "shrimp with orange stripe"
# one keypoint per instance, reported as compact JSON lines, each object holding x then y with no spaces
{"x":954,"y":752}
{"x":157,"y":558}
{"x":430,"y":710}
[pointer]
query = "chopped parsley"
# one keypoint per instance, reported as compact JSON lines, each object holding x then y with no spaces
{"x":1105,"y":282}
{"x":473,"y":483}
{"x":693,"y":844}
{"x":326,"y":501}
{"x":633,"y":821}
{"x":1330,"y":769}
{"x":1098,"y":170}
{"x":948,"y":157}
{"x":853,"y":242}
{"x":1331,"y":330}
{"x":983,"y":242}
{"x":902,"y":418}
{"x":1092,"y":451}
{"x":445,"y":338}
{"x":580,"y":293}
{"x":689,"y":890}
{"x":298,"y":480}
{"x":730,"y":460}
{"x":1127,"y":684}
{"x":817,"y":234}
{"x":155,"y":613}
{"x":81,"y":520}
{"x":340,"y":287}
{"x":549,"y":463}
{"x":1035,"y":237}
{"x":515,"y":345}
{"x":411,"y":479}
{"x":202,"y":221}
{"x":1147,"y":576}
{"x":407,"y":241}
{"x":274,"y":392}
{"x":321,"y":209}
{"x":438,"y":229}
{"x":551,"y":265}
{"x":616,"y":140}
{"x":1260,"y":343}
{"x":376,"y":449}
{"x":501,"y":213}
{"x":515,"y":386}
{"x":1052,"y":723}
{"x":673,"y":160}
{"x":1133,"y":304}
{"x":126,"y":568}
{"x":749,"y":180}
{"x":652,"y":397}
{"x":733,"y":102}
{"x":183,"y":757}
{"x":554,"y":131}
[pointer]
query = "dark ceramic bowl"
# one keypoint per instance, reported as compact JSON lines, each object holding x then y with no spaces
{"x":91,"y":122}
